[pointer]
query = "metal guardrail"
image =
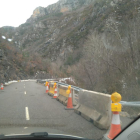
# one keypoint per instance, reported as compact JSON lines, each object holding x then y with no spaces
{"x":59,"y":83}
{"x":133,"y":104}
{"x":74,"y":87}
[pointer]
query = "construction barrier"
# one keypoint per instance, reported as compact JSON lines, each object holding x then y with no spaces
{"x":51,"y":89}
{"x":95,"y":107}
{"x":55,"y":91}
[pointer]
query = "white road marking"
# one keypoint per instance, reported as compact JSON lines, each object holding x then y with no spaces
{"x":27,"y":113}
{"x":25,"y":92}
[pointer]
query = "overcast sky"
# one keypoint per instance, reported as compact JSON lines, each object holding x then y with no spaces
{"x":16,"y":12}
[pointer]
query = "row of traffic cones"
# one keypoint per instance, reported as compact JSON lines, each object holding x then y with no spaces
{"x":115,"y":108}
{"x":69,"y":103}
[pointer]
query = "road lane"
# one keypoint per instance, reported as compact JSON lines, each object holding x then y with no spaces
{"x":12,"y":104}
{"x":43,"y":111}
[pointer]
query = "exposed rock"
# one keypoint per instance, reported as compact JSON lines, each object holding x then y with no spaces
{"x":38,"y":12}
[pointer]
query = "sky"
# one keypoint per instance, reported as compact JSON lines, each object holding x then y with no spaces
{"x":16,"y":12}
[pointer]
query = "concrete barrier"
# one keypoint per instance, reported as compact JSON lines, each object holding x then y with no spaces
{"x":95,"y":107}
{"x":62,"y":97}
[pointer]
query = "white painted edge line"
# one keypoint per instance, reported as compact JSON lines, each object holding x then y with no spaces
{"x":27,"y":113}
{"x":25,"y":92}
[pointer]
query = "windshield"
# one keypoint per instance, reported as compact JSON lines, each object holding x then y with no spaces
{"x":69,"y":66}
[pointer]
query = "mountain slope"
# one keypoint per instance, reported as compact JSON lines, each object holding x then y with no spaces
{"x":96,"y":42}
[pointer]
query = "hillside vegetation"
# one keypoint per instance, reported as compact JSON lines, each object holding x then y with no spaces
{"x":95,"y":42}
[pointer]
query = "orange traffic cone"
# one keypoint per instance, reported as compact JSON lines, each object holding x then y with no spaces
{"x":2,"y":86}
{"x":115,"y":125}
{"x":47,"y":89}
{"x":69,"y":103}
{"x":55,"y":93}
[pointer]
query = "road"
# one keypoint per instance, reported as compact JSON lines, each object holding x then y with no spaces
{"x":25,"y":107}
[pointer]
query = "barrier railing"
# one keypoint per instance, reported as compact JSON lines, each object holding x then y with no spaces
{"x":133,"y":104}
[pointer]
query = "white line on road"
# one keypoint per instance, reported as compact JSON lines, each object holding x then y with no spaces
{"x":27,"y":113}
{"x":25,"y":92}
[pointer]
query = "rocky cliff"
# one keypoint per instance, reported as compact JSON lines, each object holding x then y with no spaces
{"x":55,"y":31}
{"x":62,"y":6}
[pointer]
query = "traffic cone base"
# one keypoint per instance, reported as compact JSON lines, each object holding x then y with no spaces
{"x":55,"y":96}
{"x":115,"y":128}
{"x":113,"y":133}
{"x":69,"y":108}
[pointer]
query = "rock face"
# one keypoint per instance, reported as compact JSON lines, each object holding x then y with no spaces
{"x":38,"y":12}
{"x":58,"y":32}
{"x":67,"y":5}
{"x":49,"y":31}
{"x":61,"y":6}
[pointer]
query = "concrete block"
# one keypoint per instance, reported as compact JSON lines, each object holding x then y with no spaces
{"x":95,"y":107}
{"x":76,"y":110}
{"x":89,"y":114}
{"x":65,"y":102}
{"x":50,"y":94}
{"x":62,"y":99}
{"x":102,"y":123}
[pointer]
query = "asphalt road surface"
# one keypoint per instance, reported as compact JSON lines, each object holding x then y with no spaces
{"x":25,"y":108}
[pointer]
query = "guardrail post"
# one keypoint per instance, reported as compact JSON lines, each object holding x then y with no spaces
{"x":73,"y":96}
{"x":57,"y":90}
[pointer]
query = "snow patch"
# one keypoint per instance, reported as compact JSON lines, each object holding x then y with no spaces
{"x":3,"y":37}
{"x":9,"y":40}
{"x":64,"y":80}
